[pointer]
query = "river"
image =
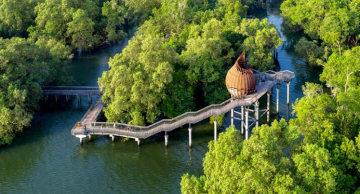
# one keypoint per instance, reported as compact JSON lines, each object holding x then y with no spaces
{"x":46,"y":158}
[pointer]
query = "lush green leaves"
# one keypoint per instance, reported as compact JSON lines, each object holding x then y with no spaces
{"x":24,"y":67}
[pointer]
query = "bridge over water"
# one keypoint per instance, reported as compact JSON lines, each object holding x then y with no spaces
{"x":266,"y":81}
{"x":71,"y":91}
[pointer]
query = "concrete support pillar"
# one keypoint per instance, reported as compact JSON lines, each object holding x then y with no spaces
{"x":215,"y":129}
{"x":79,"y":99}
{"x":277,"y":98}
{"x":288,"y":93}
{"x":166,"y":139}
{"x":112,"y":138}
{"x":81,"y":140}
{"x":242,"y":120}
{"x":89,"y":136}
{"x":190,"y":136}
{"x":46,"y":98}
{"x":232,"y":115}
{"x":257,"y":113}
{"x":56,"y":98}
{"x":268,"y":107}
{"x":138,"y":141}
{"x":67,"y":98}
{"x":247,"y":123}
{"x":89,"y":99}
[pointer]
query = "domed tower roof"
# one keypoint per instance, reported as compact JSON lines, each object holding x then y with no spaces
{"x":240,"y":80}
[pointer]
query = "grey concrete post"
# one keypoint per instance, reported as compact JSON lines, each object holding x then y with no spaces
{"x":190,"y":136}
{"x":166,"y":139}
{"x":138,"y":142}
{"x":268,"y":106}
{"x":81,"y":140}
{"x":89,"y":137}
{"x":247,"y":123}
{"x":288,"y":92}
{"x":215,"y":129}
{"x":277,"y":98}
{"x":242,"y":120}
{"x":56,"y":98}
{"x":112,"y":138}
{"x":79,"y":99}
{"x":257,"y":113}
{"x":232,"y":115}
{"x":67,"y":98}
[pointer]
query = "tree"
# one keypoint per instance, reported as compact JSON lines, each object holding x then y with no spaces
{"x":24,"y":67}
{"x":252,"y":166}
{"x":16,"y":16}
{"x":205,"y":55}
{"x":81,"y":30}
{"x":135,"y":85}
{"x":115,"y":13}
{"x":261,"y":38}
{"x":310,"y":51}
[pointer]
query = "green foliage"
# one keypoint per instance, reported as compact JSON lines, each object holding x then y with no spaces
{"x":261,"y":38}
{"x":219,"y":120}
{"x":16,"y":16}
{"x":254,"y":166}
{"x":81,"y":30}
{"x":25,"y":65}
{"x":134,"y":87}
{"x":115,"y":13}
{"x":336,"y":22}
{"x":310,"y":50}
{"x":80,"y":23}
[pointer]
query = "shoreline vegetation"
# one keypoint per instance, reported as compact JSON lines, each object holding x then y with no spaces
{"x":319,"y":150}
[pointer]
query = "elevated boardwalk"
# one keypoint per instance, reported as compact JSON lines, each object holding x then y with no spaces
{"x":267,"y":80}
{"x":71,"y":90}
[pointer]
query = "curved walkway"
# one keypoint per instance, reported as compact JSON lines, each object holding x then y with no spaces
{"x":268,"y":80}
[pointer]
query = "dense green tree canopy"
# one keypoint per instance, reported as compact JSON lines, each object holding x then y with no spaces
{"x":25,"y":65}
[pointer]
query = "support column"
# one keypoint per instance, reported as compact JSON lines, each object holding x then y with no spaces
{"x":89,"y":137}
{"x":268,"y":106}
{"x":215,"y":129}
{"x":56,"y":98}
{"x":166,"y":139}
{"x":257,"y":113}
{"x":81,"y":140}
{"x":67,"y":98}
{"x":138,"y":141}
{"x":247,"y":123}
{"x":112,"y":138}
{"x":46,"y":98}
{"x":277,"y":98}
{"x":190,"y":135}
{"x":89,"y":98}
{"x":288,"y":92}
{"x":232,"y":115}
{"x":79,"y":99}
{"x":242,"y":120}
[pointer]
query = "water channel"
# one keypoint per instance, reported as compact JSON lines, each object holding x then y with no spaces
{"x":46,"y":158}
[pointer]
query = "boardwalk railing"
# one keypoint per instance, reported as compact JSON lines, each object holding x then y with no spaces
{"x":268,"y":79}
